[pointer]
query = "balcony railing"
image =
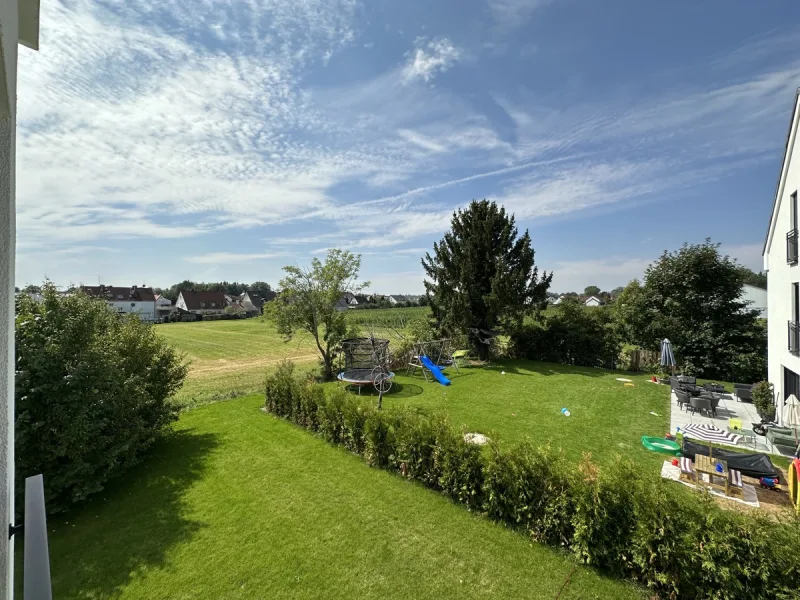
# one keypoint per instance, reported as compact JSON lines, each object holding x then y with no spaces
{"x":791,"y":247}
{"x":794,"y":337}
{"x":36,"y":557}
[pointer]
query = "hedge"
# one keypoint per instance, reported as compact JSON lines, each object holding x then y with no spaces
{"x":675,"y":542}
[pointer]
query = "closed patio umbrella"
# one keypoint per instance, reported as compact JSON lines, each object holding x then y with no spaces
{"x":791,"y":414}
{"x":667,"y":357}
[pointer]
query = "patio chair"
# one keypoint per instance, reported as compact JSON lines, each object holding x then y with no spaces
{"x":683,"y":398}
{"x":699,"y":403}
{"x":743,"y":394}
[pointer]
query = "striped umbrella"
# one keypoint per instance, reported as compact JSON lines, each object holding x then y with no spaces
{"x":667,"y":357}
{"x":709,"y":433}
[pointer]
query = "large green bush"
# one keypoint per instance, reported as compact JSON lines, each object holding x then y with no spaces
{"x":93,"y":391}
{"x":675,"y":542}
{"x":571,"y":333}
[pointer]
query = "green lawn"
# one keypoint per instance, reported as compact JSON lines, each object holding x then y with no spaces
{"x":241,"y":505}
{"x":607,"y":418}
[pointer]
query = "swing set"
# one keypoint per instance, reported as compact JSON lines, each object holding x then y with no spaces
{"x":440,"y":353}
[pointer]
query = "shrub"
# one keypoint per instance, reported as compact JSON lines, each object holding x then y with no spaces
{"x":93,"y":392}
{"x":677,"y":543}
{"x":764,"y":399}
{"x":571,"y":334}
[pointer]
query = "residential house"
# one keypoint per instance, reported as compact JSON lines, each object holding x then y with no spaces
{"x":783,"y":271}
{"x":412,"y":299}
{"x":359,"y":299}
{"x":19,"y":24}
{"x":585,"y":300}
{"x":164,"y":307}
{"x":395,"y":299}
{"x":756,"y":298}
{"x":342,"y":305}
{"x":252,"y":302}
{"x":140,"y":301}
{"x":202,"y":303}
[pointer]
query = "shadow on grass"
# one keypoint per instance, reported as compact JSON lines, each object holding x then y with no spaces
{"x":133,"y":524}
{"x":399,"y":390}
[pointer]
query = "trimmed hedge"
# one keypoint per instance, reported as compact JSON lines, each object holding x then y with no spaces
{"x":677,"y":543}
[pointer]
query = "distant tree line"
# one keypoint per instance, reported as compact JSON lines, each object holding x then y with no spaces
{"x":234,"y":288}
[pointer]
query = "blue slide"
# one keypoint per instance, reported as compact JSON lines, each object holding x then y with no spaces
{"x":435,"y":371}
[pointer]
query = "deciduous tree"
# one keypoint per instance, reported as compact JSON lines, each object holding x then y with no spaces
{"x":692,"y":297}
{"x":307,"y":301}
{"x":481,"y":275}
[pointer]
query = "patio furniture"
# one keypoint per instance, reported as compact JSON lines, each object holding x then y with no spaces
{"x":714,"y":388}
{"x":734,"y":424}
{"x":682,"y":398}
{"x":714,"y":403}
{"x":783,"y":437}
{"x":697,"y":403}
{"x":743,"y":394}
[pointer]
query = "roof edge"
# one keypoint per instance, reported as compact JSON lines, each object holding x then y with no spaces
{"x":792,"y":122}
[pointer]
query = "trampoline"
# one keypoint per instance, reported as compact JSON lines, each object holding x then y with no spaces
{"x":366,"y":362}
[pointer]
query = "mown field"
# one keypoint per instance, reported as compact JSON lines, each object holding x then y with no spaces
{"x":228,"y":359}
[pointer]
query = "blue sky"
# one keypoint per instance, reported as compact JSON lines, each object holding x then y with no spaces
{"x":210,"y":139}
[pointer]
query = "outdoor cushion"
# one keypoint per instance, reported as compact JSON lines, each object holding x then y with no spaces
{"x":781,"y":436}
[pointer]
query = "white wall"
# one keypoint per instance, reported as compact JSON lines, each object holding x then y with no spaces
{"x":145,"y":310}
{"x":781,"y":276}
{"x":8,"y":91}
{"x":756,"y":299}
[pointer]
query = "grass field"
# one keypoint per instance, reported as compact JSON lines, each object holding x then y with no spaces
{"x":607,"y":419}
{"x":238,"y":504}
{"x":228,"y":359}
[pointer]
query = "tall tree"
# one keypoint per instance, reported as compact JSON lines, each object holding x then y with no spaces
{"x":756,"y":279}
{"x":692,"y":297}
{"x":482,"y":275}
{"x":591,"y":290}
{"x":263,"y":289}
{"x":307,"y":300}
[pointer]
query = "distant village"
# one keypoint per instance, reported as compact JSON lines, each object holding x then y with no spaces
{"x":206,"y":305}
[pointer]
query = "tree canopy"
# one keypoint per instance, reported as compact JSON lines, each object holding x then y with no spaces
{"x":692,"y":297}
{"x":234,"y":288}
{"x":481,"y":275}
{"x":591,"y":290}
{"x":307,"y":301}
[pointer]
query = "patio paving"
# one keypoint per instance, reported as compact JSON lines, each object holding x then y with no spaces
{"x":729,"y":408}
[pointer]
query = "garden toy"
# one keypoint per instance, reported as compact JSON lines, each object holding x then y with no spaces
{"x":794,"y":489}
{"x":435,"y":371}
{"x":366,"y":362}
{"x":770,"y":483}
{"x":661,"y":445}
{"x":440,"y":353}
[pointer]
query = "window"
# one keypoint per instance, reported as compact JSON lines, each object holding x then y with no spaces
{"x":133,"y":304}
{"x":793,"y":209}
{"x":202,"y":305}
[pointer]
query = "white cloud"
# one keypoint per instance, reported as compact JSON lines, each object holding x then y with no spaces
{"x":431,"y":58}
{"x":223,"y":258}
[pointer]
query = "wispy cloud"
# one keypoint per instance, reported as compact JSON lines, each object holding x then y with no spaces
{"x":430,"y":58}
{"x":223,"y":258}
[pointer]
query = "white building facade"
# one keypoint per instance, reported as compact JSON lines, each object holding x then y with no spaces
{"x":783,"y":272}
{"x":140,"y":301}
{"x":756,"y":299}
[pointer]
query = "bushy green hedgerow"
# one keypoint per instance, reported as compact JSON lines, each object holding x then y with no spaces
{"x":93,"y":392}
{"x":677,"y":543}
